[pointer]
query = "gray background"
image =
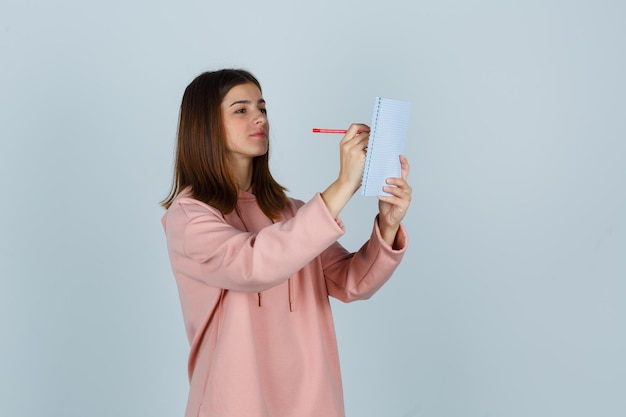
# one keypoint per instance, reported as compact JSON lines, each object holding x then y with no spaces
{"x":510,"y":299}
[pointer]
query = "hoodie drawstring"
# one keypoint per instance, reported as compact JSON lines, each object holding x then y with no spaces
{"x":290,"y":284}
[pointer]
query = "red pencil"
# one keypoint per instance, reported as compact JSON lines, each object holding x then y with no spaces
{"x":318,"y":130}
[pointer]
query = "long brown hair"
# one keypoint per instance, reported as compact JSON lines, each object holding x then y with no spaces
{"x":202,"y":162}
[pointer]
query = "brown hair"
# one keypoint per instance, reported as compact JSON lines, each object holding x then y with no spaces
{"x":202,"y":162}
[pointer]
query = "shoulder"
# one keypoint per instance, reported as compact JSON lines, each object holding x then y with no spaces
{"x":186,"y":209}
{"x":293,"y":205}
{"x":296,"y":202}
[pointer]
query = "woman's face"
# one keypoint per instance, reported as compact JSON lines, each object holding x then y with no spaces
{"x":245,"y":121}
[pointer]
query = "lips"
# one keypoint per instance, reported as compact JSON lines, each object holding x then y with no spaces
{"x":259,"y":134}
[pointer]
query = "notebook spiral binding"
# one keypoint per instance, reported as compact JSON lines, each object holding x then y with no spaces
{"x":370,"y":144}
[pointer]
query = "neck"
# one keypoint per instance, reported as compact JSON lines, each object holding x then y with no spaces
{"x":243,"y":173}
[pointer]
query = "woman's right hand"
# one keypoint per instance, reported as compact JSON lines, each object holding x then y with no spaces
{"x":353,"y":148}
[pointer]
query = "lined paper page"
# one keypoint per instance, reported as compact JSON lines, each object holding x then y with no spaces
{"x":390,"y":120}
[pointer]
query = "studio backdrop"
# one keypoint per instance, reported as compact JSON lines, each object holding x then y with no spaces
{"x":510,"y":300}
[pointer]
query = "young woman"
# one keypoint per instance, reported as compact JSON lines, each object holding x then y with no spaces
{"x":255,"y":268}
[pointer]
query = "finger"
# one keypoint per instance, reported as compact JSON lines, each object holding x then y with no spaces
{"x":400,"y":193}
{"x":362,"y":140}
{"x":400,"y":183}
{"x":404,"y":167}
{"x":398,"y":203}
{"x":360,"y":127}
{"x":358,"y":143}
{"x":399,"y":188}
{"x":354,"y":130}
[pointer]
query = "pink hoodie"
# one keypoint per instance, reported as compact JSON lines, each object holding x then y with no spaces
{"x":255,"y":304}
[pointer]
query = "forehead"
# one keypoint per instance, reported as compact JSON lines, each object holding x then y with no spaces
{"x":247,"y":91}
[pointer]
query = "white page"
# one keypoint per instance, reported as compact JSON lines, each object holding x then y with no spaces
{"x":389,"y":126}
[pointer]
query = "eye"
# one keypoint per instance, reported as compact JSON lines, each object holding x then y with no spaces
{"x":241,"y":111}
{"x":264,"y":111}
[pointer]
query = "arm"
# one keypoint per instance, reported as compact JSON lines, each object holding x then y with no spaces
{"x":357,"y":276}
{"x":351,"y":277}
{"x":352,"y":161}
{"x":203,"y":247}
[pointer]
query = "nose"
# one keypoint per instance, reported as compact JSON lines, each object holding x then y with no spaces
{"x":261,"y":118}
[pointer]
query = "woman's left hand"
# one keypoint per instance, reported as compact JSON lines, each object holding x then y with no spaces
{"x":393,"y":208}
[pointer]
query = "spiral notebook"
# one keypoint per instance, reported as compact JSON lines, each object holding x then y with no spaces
{"x":390,"y":120}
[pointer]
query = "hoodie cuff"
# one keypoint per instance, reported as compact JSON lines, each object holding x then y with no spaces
{"x":400,"y":242}
{"x":318,"y":200}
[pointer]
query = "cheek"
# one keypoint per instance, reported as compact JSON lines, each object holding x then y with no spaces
{"x":231,"y":132}
{"x":234,"y":128}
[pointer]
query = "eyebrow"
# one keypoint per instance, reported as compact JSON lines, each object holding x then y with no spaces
{"x":261,"y":101}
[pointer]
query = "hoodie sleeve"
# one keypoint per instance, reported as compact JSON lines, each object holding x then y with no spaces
{"x":204,"y":247}
{"x":357,"y":276}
